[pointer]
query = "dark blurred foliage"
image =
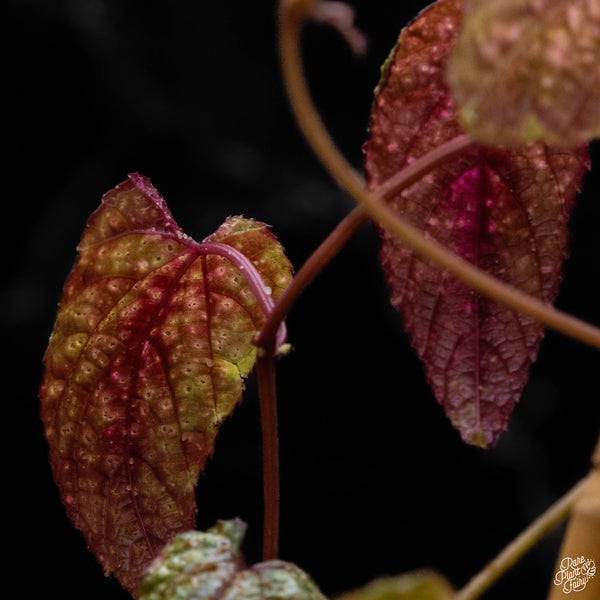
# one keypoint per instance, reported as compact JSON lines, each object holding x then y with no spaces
{"x":374,"y":479}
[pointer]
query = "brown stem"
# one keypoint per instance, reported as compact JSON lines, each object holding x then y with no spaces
{"x":265,"y":367}
{"x":521,"y":544}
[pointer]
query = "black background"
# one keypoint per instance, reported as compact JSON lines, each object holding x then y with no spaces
{"x":374,"y":478}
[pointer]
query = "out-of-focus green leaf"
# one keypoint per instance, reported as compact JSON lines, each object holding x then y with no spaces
{"x":523,"y":71}
{"x":209,"y":566}
{"x":418,"y":585}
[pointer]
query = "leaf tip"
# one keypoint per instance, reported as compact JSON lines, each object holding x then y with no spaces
{"x":479,"y":439}
{"x":232,"y":529}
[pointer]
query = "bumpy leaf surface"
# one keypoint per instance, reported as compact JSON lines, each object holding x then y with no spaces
{"x":528,"y":70}
{"x":152,"y":341}
{"x":504,"y":211}
{"x":209,"y":566}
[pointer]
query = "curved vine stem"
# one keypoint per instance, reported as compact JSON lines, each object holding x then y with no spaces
{"x":292,"y":14}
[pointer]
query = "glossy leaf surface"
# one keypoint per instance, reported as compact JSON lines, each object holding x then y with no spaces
{"x":527,"y":71}
{"x":504,"y":211}
{"x":209,"y":566}
{"x":152,"y":342}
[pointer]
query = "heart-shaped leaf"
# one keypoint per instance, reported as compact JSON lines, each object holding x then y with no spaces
{"x":526,"y":71}
{"x":209,"y":566}
{"x":504,"y":211}
{"x":152,"y":342}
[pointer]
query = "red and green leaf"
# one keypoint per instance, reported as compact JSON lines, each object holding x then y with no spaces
{"x":505,"y":211}
{"x":152,"y":342}
{"x":528,"y":71}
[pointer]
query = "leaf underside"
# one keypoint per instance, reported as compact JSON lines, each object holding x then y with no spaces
{"x":528,"y":71}
{"x":152,"y":342}
{"x":505,"y":211}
